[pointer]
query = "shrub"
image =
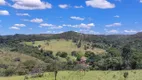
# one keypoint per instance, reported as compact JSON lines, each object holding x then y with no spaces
{"x":89,"y":54}
{"x":8,"y":72}
{"x":126,"y":74}
{"x":62,"y":54}
{"x":17,"y":59}
{"x":74,"y":53}
{"x":29,"y":64}
{"x":58,"y":53}
{"x":48,"y":53}
{"x":37,"y":75}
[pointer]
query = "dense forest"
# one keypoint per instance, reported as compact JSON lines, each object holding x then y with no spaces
{"x":123,"y":52}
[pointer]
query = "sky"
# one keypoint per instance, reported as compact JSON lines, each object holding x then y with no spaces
{"x":58,"y":16}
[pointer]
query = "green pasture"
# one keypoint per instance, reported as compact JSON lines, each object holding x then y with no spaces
{"x":90,"y":75}
{"x":62,"y":45}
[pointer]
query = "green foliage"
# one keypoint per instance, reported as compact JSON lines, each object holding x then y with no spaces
{"x":113,"y":52}
{"x":126,"y":74}
{"x":89,"y":54}
{"x":8,"y":72}
{"x":79,"y":44}
{"x":74,"y":53}
{"x":48,"y":53}
{"x":62,"y":54}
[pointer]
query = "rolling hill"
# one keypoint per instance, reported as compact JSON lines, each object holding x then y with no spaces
{"x":63,"y":45}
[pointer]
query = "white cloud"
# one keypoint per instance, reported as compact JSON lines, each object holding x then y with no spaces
{"x":22,"y":14}
{"x":4,"y":12}
{"x":117,"y":16}
{"x":103,"y":4}
{"x":86,"y":31}
{"x":56,"y":27}
{"x":17,"y":26}
{"x":77,"y":18}
{"x":36,"y":20}
{"x":130,"y":31}
{"x":141,"y":1}
{"x":82,"y":25}
{"x":30,"y":4}
{"x":114,"y":25}
{"x":2,"y":2}
{"x":52,"y":32}
{"x":112,"y":31}
{"x":46,"y":25}
{"x":78,"y":6}
{"x":67,"y":25}
{"x":63,"y":6}
{"x":51,"y":26}
{"x":49,"y":32}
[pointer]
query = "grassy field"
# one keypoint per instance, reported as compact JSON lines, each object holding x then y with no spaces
{"x":90,"y":75}
{"x":63,"y":45}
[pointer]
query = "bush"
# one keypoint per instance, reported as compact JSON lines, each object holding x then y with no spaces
{"x":89,"y":54}
{"x":58,"y":53}
{"x":74,"y":53}
{"x":29,"y":64}
{"x":17,"y":59}
{"x":37,"y":75}
{"x":48,"y":53}
{"x":126,"y":74}
{"x":9,"y":72}
{"x":62,"y":54}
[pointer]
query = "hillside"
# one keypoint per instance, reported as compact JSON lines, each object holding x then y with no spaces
{"x":63,"y":46}
{"x":16,"y":63}
{"x":71,"y":51}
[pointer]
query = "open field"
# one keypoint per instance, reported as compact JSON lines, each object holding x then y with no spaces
{"x":63,"y":45}
{"x":90,"y":75}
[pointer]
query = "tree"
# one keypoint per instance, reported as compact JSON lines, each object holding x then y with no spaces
{"x":89,"y":54}
{"x":48,"y":53}
{"x":62,"y":54}
{"x":54,"y":66}
{"x":74,"y":53}
{"x":79,"y":44}
{"x":126,"y":55}
{"x":113,"y":52}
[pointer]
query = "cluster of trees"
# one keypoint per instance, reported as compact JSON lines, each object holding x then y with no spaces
{"x":115,"y":59}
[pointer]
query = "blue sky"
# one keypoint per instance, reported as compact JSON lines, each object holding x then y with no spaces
{"x":57,"y":16}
